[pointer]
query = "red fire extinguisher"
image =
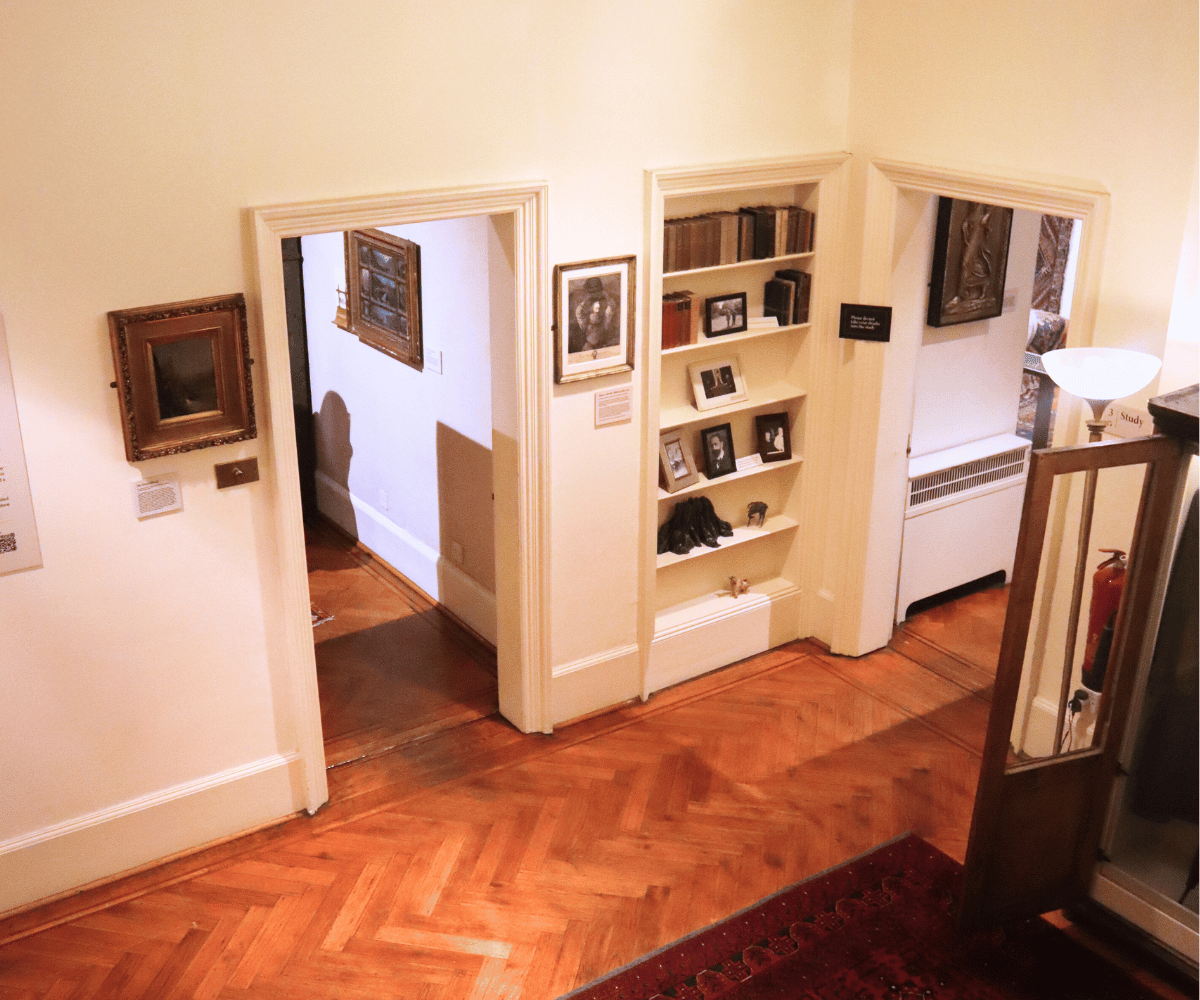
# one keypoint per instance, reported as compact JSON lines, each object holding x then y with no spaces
{"x":1107,"y":583}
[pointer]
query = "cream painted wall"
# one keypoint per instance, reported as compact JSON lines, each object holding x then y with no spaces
{"x":413,"y":448}
{"x":143,"y":658}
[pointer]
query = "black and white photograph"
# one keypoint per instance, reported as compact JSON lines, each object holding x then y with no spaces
{"x":773,"y":434}
{"x":719,"y":459}
{"x":677,"y":467}
{"x":725,"y":314}
{"x":717,"y":383}
{"x":593,"y":318}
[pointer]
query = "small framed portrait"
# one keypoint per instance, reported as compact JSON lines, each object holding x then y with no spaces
{"x":183,"y":375}
{"x":773,"y":433}
{"x":718,"y":451}
{"x":594,"y":318}
{"x":717,"y":383}
{"x":725,"y":314}
{"x":677,"y":465}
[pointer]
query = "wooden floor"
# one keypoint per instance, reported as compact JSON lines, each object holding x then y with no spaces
{"x":476,"y":862}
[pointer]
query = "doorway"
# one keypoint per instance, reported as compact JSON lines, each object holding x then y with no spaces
{"x":397,"y":483}
{"x":520,"y":451}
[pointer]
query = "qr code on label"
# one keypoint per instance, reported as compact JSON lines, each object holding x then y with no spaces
{"x":8,"y":543}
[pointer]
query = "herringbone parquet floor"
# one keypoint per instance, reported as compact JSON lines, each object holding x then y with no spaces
{"x":480,"y":863}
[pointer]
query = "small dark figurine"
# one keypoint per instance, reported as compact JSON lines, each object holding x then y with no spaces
{"x":693,"y":522}
{"x":757,"y":514}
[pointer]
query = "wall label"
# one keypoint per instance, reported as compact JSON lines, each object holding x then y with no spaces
{"x":19,"y":548}
{"x":866,"y":323}
{"x":614,"y":406}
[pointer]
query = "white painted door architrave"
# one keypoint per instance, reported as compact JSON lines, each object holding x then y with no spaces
{"x":882,"y":374}
{"x":523,"y":647}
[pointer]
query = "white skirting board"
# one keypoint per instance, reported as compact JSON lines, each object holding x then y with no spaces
{"x":713,"y":631}
{"x":69,"y":855}
{"x":409,"y":556}
{"x":594,"y":682}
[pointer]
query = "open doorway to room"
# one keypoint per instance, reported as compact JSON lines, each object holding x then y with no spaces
{"x":979,"y":400}
{"x":396,"y":482}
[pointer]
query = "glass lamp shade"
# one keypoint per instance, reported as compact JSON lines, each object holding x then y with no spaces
{"x":1100,"y":374}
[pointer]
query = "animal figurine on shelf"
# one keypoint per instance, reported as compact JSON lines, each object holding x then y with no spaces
{"x":738,"y":586}
{"x":693,"y":522}
{"x":757,"y":514}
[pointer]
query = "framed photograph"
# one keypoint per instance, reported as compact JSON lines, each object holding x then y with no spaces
{"x":593,"y":318}
{"x":718,"y":451}
{"x":677,"y":465}
{"x":970,"y":256}
{"x":717,"y":383}
{"x":773,"y":433}
{"x":725,"y":314}
{"x":383,"y":281}
{"x":183,"y":375}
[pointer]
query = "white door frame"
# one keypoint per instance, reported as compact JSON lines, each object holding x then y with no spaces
{"x":877,"y":467}
{"x":523,"y":646}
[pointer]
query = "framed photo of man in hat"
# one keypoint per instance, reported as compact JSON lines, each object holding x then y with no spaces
{"x":593,"y":318}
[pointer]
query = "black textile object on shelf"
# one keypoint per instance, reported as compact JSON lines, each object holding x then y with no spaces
{"x":693,"y":522}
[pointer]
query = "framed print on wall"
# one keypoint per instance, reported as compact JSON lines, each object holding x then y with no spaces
{"x":716,"y":383}
{"x":676,"y":462}
{"x":594,"y":318}
{"x":183,"y":375}
{"x":970,"y":256}
{"x":383,"y":278}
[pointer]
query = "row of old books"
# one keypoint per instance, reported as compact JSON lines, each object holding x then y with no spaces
{"x":753,"y":233}
{"x":681,"y":317}
{"x":786,"y":296}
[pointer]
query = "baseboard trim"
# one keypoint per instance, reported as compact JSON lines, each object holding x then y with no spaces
{"x":442,"y":581}
{"x":110,"y":843}
{"x":587,"y":685}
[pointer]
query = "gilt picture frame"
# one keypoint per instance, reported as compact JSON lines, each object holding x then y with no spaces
{"x":594,"y":318}
{"x":183,"y":375}
{"x":383,"y":297}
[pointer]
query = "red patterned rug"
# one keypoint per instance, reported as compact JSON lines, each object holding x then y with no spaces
{"x":879,"y":926}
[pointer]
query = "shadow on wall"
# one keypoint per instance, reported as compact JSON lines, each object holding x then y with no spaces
{"x":465,"y":514}
{"x":334,"y":452}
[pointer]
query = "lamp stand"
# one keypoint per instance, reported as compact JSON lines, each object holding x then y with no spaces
{"x":1095,"y":429}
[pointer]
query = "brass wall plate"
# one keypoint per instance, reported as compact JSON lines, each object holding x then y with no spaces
{"x":236,"y":473}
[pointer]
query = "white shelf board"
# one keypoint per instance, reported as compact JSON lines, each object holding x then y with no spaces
{"x":775,"y":393}
{"x":733,"y":338}
{"x":719,"y":604}
{"x":704,"y":482}
{"x":773,"y":526}
{"x":759,"y":261}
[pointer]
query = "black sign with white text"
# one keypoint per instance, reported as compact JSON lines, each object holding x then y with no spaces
{"x":866,"y":323}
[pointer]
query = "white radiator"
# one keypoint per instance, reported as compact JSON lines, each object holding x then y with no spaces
{"x":961,"y":516}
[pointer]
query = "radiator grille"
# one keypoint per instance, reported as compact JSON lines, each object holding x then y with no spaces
{"x":959,"y":478}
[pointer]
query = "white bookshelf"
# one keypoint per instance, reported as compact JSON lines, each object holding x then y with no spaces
{"x":694,"y":621}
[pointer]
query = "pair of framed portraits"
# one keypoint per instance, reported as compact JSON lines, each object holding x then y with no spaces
{"x":772,"y":432}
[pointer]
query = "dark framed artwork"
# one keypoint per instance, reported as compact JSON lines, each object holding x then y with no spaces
{"x":717,"y":383}
{"x":719,"y":459}
{"x":383,"y":298}
{"x":970,"y":256}
{"x":725,"y":314}
{"x":183,"y":375}
{"x":676,"y":462}
{"x":773,"y":433}
{"x":594,"y":318}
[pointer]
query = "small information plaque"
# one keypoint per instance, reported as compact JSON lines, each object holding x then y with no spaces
{"x":866,"y":323}
{"x":614,"y":406}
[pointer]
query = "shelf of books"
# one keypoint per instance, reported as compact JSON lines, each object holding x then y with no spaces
{"x":738,"y":268}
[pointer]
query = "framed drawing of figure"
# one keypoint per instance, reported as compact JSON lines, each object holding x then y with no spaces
{"x":594,"y":318}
